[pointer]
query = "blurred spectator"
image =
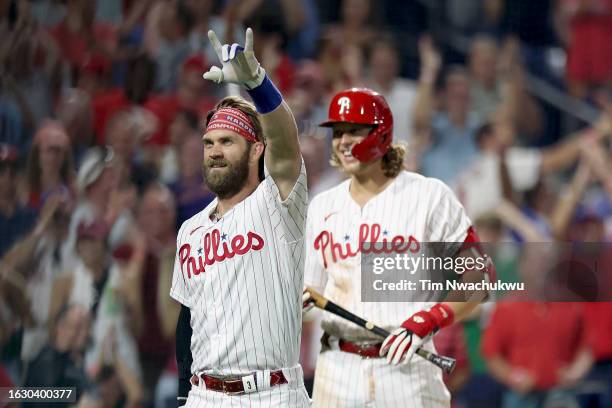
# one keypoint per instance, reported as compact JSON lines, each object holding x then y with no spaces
{"x":140,"y":76}
{"x":446,"y":135}
{"x":84,"y":283}
{"x":94,"y":74}
{"x":587,"y":22}
{"x":532,"y":348}
{"x":497,"y":85}
{"x":36,"y":261}
{"x":131,"y":30}
{"x":293,"y":22}
{"x":29,"y":62}
{"x":108,"y":280}
{"x":270,"y":40}
{"x":12,"y":131}
{"x":227,"y":26}
{"x":50,"y":165}
{"x":125,"y":132}
{"x":342,"y":65}
{"x":480,"y":390}
{"x":75,"y":114}
{"x":185,"y":123}
{"x":321,"y":175}
{"x":189,"y":190}
{"x":106,"y":286}
{"x":483,"y":64}
{"x":303,"y":43}
{"x":15,"y":219}
{"x":192,"y":94}
{"x":110,"y":392}
{"x":355,"y":25}
{"x":156,"y":218}
{"x":384,"y":69}
{"x":60,"y":363}
{"x":204,"y":20}
{"x":96,"y":180}
{"x":532,"y":23}
{"x":468,"y":18}
{"x":48,"y":12}
{"x":500,"y":169}
{"x":342,"y":45}
{"x":100,"y":196}
{"x":408,"y":20}
{"x":79,"y":35}
{"x":114,"y":386}
{"x":550,"y":214}
{"x":307,"y":98}
{"x":166,"y":40}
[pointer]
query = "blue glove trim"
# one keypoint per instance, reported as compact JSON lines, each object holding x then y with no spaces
{"x":266,"y":96}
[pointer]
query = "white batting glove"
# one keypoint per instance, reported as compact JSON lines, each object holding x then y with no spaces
{"x":239,"y":65}
{"x":419,"y":328}
{"x":307,"y":302}
{"x":401,"y":345}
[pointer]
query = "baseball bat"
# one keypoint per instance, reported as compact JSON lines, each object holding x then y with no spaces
{"x":447,"y":364}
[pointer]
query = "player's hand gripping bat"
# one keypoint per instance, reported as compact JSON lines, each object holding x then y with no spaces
{"x":447,"y":364}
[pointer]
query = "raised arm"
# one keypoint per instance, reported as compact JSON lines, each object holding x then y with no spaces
{"x":513,"y":218}
{"x":425,"y":103}
{"x":239,"y":66}
{"x":282,"y":157}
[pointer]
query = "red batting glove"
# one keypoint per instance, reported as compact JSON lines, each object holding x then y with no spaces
{"x":405,"y":340}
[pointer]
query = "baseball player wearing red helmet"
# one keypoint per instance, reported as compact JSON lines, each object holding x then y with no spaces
{"x":380,"y":202}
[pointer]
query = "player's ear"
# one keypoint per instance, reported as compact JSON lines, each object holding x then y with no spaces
{"x":257,"y":150}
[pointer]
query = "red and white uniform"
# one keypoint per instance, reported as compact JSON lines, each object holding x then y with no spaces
{"x":411,"y":208}
{"x":242,"y":279}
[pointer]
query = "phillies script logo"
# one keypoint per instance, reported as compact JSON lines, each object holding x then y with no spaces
{"x":217,"y":251}
{"x":367,"y":234}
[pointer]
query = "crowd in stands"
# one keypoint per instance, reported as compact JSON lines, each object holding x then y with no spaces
{"x":101,"y":106}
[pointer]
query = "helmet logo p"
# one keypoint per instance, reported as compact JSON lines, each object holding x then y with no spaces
{"x":345,"y":104}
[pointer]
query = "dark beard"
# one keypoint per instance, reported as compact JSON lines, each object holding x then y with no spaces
{"x":230,"y":183}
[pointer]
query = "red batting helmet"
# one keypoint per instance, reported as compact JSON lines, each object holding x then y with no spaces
{"x":365,"y":107}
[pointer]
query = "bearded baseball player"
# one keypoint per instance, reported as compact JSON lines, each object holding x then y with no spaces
{"x":380,"y":202}
{"x":239,"y":262}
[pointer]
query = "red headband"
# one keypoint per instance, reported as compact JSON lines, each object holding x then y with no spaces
{"x":235,"y":120}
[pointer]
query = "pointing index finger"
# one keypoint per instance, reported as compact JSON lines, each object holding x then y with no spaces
{"x":248,"y":42}
{"x":216,"y":44}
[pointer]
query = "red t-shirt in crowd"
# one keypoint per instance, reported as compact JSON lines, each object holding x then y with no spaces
{"x":152,"y":343}
{"x":588,"y":54}
{"x":598,"y":319}
{"x":104,"y":105}
{"x":284,"y":75}
{"x":74,"y":46}
{"x":536,"y":336}
{"x":165,"y":108}
{"x":5,"y":382}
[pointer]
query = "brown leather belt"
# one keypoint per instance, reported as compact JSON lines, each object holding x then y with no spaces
{"x":236,"y":385}
{"x":363,"y":350}
{"x":367,"y":351}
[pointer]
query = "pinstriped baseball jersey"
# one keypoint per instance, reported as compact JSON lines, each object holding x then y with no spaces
{"x":242,"y":278}
{"x":412,"y":209}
